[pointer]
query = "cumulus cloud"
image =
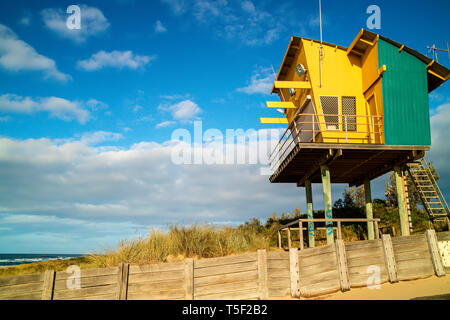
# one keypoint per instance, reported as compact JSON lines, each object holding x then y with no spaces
{"x":17,"y":55}
{"x":159,"y":28}
{"x":177,"y":6}
{"x":115,"y":59}
{"x":56,"y":107}
{"x":93,"y":23}
{"x":261,"y":82}
{"x":164,"y":124}
{"x":184,"y":110}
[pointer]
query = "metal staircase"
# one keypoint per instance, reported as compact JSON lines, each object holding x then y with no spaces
{"x":428,"y":191}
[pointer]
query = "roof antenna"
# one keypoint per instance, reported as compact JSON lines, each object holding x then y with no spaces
{"x":433,"y":49}
{"x":321,"y":47}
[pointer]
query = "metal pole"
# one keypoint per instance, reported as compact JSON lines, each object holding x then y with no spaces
{"x":309,"y":206}
{"x":326,"y":184}
{"x":300,"y":230}
{"x":369,"y":209}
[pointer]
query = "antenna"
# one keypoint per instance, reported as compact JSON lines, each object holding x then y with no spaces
{"x":281,"y":91}
{"x":321,"y":47}
{"x":433,"y":49}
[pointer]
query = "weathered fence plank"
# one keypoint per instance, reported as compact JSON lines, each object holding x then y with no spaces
{"x":294,"y":273}
{"x":342,"y":265}
{"x":263,"y":292}
{"x":389,"y":257}
{"x":434,"y":252}
{"x":189,"y":279}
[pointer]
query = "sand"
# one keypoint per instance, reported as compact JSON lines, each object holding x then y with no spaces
{"x":403,"y":290}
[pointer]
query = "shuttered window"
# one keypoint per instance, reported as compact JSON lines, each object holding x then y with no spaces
{"x":349,"y":113}
{"x":330,"y":109}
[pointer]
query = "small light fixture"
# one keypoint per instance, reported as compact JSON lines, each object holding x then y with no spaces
{"x":300,"y":70}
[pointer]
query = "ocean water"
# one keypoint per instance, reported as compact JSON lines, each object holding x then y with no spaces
{"x":9,"y":260}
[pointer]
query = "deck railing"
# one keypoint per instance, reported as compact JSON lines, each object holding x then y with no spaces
{"x":306,"y":127}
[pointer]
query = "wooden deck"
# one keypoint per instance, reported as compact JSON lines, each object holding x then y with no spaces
{"x":348,"y":163}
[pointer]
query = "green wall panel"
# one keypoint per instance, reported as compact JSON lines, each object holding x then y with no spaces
{"x":405,"y":97}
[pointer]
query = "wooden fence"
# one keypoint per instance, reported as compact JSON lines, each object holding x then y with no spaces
{"x":260,"y":275}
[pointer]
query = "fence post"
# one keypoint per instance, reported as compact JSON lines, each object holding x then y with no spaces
{"x":123,"y":280}
{"x":294,"y":272}
{"x":342,"y":265}
{"x":389,"y":257}
{"x":49,"y":283}
{"x":434,"y":252}
{"x":263,"y":291}
{"x":279,"y":239}
{"x":189,"y":279}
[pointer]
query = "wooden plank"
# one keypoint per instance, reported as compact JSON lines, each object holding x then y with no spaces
{"x":278,"y":273}
{"x":24,"y":296}
{"x":443,"y":236}
{"x":310,"y":270}
{"x":292,"y":84}
{"x":408,"y":247}
{"x":226,"y":288}
{"x":342,"y":265}
{"x":365,"y":244}
{"x":360,"y":280}
{"x":212,"y":262}
{"x":366,"y":261}
{"x":152,"y":276}
{"x":279,"y":283}
{"x":273,"y":121}
{"x":278,"y":264}
{"x":416,"y":263}
{"x":293,"y":271}
{"x":110,"y":296}
{"x":49,"y":283}
{"x":88,"y":282}
{"x":434,"y":252}
{"x":280,"y":105}
{"x":319,"y":259}
{"x":148,"y":286}
{"x":226,"y":278}
{"x":188,"y":279}
{"x":161,"y":267}
{"x":276,"y":255}
{"x":24,"y":279}
{"x":238,"y":267}
{"x":158,"y":295}
{"x":84,"y":292}
{"x":411,"y":255}
{"x":279,"y":292}
{"x":363,"y":269}
{"x":20,"y":289}
{"x":409,"y":239}
{"x":365,"y":253}
{"x":316,"y":251}
{"x":389,"y":258}
{"x":262,"y":290}
{"x":236,"y":295}
{"x":88,"y":273}
{"x":320,"y":277}
{"x":415,"y":273}
{"x":320,"y":288}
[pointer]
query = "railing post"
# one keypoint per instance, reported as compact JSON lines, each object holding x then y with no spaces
{"x":326,"y":184}
{"x":346,"y":130}
{"x":342,"y":265}
{"x":294,"y":272}
{"x":300,"y":235}
{"x":310,"y":213}
{"x":373,"y":129}
{"x":434,"y":252}
{"x":369,"y":209}
{"x":279,"y":239}
{"x":339,"y":230}
{"x":49,"y":284}
{"x":188,"y":279}
{"x":263,"y":291}
{"x":123,"y":281}
{"x":389,"y":257}
{"x":289,"y":237}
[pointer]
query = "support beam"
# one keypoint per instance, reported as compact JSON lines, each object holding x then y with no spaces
{"x":369,"y":209}
{"x":292,"y":85}
{"x":309,"y":206}
{"x":404,"y":227}
{"x":280,"y":105}
{"x":274,"y":121}
{"x":326,"y":184}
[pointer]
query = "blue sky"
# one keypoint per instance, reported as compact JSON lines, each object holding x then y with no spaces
{"x":86,"y":115}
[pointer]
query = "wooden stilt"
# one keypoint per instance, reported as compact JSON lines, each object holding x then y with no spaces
{"x":401,"y":202}
{"x":309,"y":205}
{"x":369,"y":209}
{"x":326,"y":184}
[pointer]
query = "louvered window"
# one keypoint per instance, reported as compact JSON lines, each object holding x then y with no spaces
{"x":330,"y":109}
{"x":349,"y":113}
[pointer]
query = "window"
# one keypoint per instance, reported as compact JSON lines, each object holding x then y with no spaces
{"x":330,"y":109}
{"x":349,"y":113}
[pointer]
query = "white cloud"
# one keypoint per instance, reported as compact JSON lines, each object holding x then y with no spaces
{"x":159,"y":28}
{"x":25,"y":20}
{"x":184,"y":110}
{"x":57,"y":107}
{"x":93,"y":23}
{"x":261,"y":82}
{"x":177,"y":6}
{"x":164,"y":124}
{"x":97,"y":137}
{"x":115,"y":59}
{"x":17,"y":55}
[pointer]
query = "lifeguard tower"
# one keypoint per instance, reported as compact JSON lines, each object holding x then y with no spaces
{"x":354,"y":114}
